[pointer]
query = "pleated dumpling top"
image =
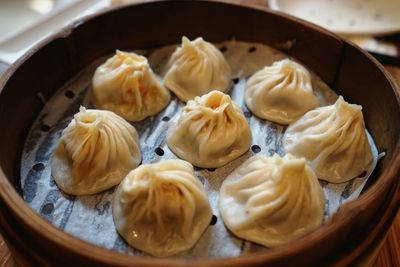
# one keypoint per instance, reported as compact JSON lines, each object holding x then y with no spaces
{"x":280,"y":93}
{"x":161,"y":208}
{"x":333,"y":139}
{"x":272,"y":200}
{"x":95,"y":152}
{"x":126,"y":85}
{"x":196,"y":68}
{"x":210,"y":132}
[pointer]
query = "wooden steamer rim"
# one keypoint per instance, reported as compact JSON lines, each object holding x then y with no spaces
{"x":17,"y":219}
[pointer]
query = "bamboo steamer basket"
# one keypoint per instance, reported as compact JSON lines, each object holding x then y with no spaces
{"x":350,"y":237}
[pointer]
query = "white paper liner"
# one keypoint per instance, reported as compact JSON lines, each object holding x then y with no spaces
{"x":89,"y":217}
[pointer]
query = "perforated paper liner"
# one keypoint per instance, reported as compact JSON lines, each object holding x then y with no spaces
{"x":89,"y":217}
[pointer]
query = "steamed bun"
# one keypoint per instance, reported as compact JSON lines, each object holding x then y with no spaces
{"x":272,"y":201}
{"x":210,"y":132}
{"x":196,"y":68}
{"x":161,"y":208}
{"x":333,"y":139}
{"x":95,"y":152}
{"x":280,"y":93}
{"x":126,"y":85}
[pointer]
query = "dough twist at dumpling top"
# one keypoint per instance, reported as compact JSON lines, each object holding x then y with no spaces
{"x":210,"y":132}
{"x":280,"y":93}
{"x":196,"y":68}
{"x":95,"y":152}
{"x":272,"y":201}
{"x":333,"y":139}
{"x":126,"y":85}
{"x":161,"y":208}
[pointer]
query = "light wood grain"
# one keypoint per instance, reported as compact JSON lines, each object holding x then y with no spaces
{"x":6,"y":259}
{"x":390,"y":251}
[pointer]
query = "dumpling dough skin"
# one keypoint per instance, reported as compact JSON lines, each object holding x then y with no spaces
{"x":95,"y":152}
{"x":161,"y":208}
{"x":196,"y":68}
{"x":280,"y":93}
{"x":272,"y":201}
{"x":333,"y":140}
{"x":210,"y":132}
{"x":126,"y":85}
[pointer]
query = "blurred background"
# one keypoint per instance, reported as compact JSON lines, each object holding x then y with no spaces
{"x":372,"y":24}
{"x":23,"y":23}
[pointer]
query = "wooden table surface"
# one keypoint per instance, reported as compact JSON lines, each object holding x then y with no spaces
{"x":389,"y":254}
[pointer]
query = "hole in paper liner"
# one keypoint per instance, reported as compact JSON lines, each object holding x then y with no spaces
{"x":38,"y":167}
{"x":256,"y":148}
{"x":47,"y":208}
{"x":214,"y":220}
{"x":159,"y":151}
{"x":247,"y":114}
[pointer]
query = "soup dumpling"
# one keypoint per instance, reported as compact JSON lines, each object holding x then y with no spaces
{"x":95,"y":152}
{"x":161,"y":208}
{"x":126,"y":85}
{"x":210,"y":132}
{"x":333,"y":139}
{"x":272,"y":200}
{"x":280,"y":93}
{"x":196,"y":68}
